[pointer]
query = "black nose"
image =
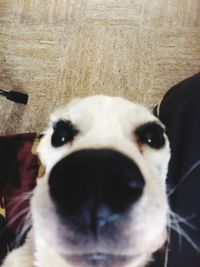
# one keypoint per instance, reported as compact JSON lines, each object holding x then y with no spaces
{"x":94,"y":187}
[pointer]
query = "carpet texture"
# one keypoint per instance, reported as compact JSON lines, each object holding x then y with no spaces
{"x":55,"y":50}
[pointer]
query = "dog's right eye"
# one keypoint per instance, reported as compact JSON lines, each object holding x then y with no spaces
{"x":63,"y":132}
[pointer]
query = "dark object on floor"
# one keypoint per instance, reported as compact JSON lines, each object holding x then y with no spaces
{"x":16,"y":97}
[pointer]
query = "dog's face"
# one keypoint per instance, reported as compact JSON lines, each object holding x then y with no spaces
{"x":102,"y":200}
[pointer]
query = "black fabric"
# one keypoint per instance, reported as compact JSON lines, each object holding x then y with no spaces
{"x":180,"y":112}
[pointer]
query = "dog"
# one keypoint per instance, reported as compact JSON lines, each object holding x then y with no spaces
{"x":102,"y":200}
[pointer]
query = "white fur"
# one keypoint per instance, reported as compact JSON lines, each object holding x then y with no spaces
{"x":104,"y":122}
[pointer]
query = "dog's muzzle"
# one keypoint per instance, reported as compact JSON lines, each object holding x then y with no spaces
{"x":93,"y":189}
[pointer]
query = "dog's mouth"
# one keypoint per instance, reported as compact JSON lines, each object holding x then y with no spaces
{"x":99,"y":260}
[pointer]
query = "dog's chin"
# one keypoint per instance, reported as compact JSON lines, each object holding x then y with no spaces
{"x":108,"y":257}
{"x":99,"y":259}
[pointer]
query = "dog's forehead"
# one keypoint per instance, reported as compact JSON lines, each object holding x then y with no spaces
{"x":105,"y":108}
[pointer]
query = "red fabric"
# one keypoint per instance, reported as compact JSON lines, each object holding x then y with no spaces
{"x":19,"y":169}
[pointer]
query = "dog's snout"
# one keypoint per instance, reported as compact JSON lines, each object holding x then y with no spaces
{"x":95,"y":187}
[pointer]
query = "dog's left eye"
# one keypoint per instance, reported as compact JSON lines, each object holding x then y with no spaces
{"x":151,"y":134}
{"x":64,"y":132}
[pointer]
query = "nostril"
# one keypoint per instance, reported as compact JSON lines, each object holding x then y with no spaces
{"x":125,"y":190}
{"x":135,"y":186}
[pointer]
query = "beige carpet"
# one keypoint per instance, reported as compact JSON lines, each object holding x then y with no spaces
{"x":57,"y":49}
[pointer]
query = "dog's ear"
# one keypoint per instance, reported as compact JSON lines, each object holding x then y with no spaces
{"x":41,"y":170}
{"x":156,"y":110}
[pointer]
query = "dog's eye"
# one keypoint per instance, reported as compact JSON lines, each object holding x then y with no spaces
{"x":151,"y":134}
{"x":64,"y":132}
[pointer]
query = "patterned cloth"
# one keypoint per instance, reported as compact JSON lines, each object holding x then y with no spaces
{"x":19,"y":167}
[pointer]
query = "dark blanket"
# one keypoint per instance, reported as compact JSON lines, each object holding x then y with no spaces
{"x":180,"y":112}
{"x":18,"y":172}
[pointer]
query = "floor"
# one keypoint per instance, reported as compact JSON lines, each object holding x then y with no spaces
{"x":58,"y":49}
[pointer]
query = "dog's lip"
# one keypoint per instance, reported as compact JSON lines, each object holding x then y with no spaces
{"x":99,"y":259}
